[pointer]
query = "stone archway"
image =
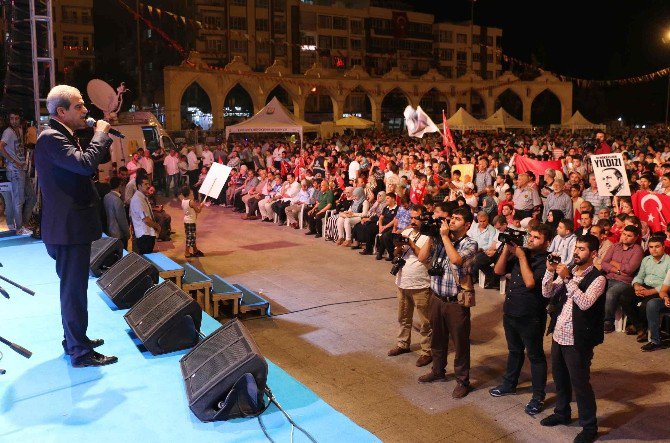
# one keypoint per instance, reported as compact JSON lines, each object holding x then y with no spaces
{"x":546,"y":109}
{"x":237,"y":106}
{"x":392,"y":107}
{"x":511,"y":102}
{"x":195,"y":107}
{"x":358,"y":103}
{"x":433,"y":102}
{"x":283,"y":96}
{"x":319,"y":106}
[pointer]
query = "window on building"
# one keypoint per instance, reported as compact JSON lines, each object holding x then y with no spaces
{"x":262,"y":24}
{"x":448,"y":71}
{"x":356,"y":61}
{"x":238,"y":45}
{"x":213,"y":21}
{"x":263,"y":47}
{"x":461,"y":38}
{"x":261,"y":3}
{"x":325,"y":22}
{"x":340,"y":23}
{"x":446,"y":37}
{"x":356,"y":27}
{"x":280,"y":50}
{"x":340,"y":43}
{"x":308,"y":39}
{"x":325,"y":42}
{"x":85,"y":43}
{"x":460,"y":71}
{"x":279,"y":5}
{"x":238,"y":23}
{"x":356,"y":44}
{"x":462,"y":56}
{"x":69,"y":14}
{"x":476,"y":38}
{"x":215,"y":45}
{"x":446,"y":54}
{"x":280,"y":27}
{"x":86,"y":17}
{"x":489,"y":40}
{"x":476,"y":57}
{"x":70,"y":41}
{"x":239,"y":2}
{"x":489,"y":58}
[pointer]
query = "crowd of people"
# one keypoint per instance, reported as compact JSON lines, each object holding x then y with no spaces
{"x":564,"y":248}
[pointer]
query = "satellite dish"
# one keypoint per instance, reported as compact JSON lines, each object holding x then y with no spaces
{"x":104,"y":97}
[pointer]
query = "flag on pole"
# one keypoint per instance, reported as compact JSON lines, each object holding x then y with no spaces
{"x":447,"y":138}
{"x":418,"y":123}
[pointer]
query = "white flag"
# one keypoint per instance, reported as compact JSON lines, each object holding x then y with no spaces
{"x":418,"y":123}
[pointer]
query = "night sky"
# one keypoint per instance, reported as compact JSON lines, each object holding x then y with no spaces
{"x":587,"y":39}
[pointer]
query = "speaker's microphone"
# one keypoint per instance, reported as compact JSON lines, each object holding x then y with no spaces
{"x":90,"y":122}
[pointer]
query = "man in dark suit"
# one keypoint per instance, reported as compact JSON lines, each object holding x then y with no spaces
{"x":70,"y":213}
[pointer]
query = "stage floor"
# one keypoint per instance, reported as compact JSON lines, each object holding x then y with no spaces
{"x":142,"y":396}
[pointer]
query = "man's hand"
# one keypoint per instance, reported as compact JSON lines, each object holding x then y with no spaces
{"x":490,"y":252}
{"x":562,"y":271}
{"x":102,"y":126}
{"x":444,"y":229}
{"x":551,"y":267}
{"x":520,"y":253}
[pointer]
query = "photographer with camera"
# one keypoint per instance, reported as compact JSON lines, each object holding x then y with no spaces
{"x":577,"y":310}
{"x":452,"y":296}
{"x":413,"y":284}
{"x":524,"y":313}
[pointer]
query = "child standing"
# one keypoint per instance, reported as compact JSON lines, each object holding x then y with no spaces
{"x":191,"y":211}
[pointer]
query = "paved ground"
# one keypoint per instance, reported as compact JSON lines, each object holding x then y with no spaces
{"x":340,"y":351}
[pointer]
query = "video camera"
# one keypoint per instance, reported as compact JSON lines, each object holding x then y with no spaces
{"x":512,"y":236}
{"x":431,"y":226}
{"x":554,"y":259}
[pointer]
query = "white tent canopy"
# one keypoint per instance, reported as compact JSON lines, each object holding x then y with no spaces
{"x":463,"y":121}
{"x":577,"y":122}
{"x":354,"y":122}
{"x":274,"y":117}
{"x":501,"y":119}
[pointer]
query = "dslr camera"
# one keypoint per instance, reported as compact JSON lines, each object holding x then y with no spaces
{"x":398,"y":263}
{"x":512,"y":236}
{"x":554,"y":259}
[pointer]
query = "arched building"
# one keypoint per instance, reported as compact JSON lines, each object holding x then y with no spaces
{"x":323,"y":94}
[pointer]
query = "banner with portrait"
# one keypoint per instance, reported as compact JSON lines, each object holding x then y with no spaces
{"x":610,"y":172}
{"x":467,"y":172}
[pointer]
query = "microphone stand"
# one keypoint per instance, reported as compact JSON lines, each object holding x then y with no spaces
{"x":16,"y":348}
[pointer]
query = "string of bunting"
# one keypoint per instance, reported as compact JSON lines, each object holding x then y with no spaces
{"x":197,"y":24}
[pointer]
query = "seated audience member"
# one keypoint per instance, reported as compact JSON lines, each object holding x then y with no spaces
{"x":563,"y":243}
{"x":553,"y":218}
{"x":273,"y":194}
{"x":585,"y":223}
{"x":348,"y":219}
{"x":117,"y":221}
{"x":655,"y":307}
{"x":487,"y":257}
{"x":288,"y":193}
{"x":342,"y":203}
{"x":646,"y":286}
{"x":298,"y":202}
{"x":360,"y":232}
{"x":482,"y":232}
{"x":256,"y":193}
{"x":386,"y":235}
{"x":599,"y":232}
{"x":317,"y":213}
{"x":489,"y":204}
{"x":238,"y":198}
{"x":558,"y":200}
{"x":507,"y":200}
{"x":620,"y":264}
{"x":384,"y":223}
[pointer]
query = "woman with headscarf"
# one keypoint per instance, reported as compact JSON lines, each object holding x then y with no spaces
{"x":360,"y":233}
{"x":348,"y":219}
{"x":554,"y":217}
{"x":342,"y":204}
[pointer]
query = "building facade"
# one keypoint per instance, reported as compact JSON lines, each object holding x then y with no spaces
{"x":73,"y":34}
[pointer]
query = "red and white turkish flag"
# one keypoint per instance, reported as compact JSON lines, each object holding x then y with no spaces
{"x":652,"y":208}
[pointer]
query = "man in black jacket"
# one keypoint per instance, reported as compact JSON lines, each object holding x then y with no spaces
{"x":577,"y":310}
{"x":525,"y":315}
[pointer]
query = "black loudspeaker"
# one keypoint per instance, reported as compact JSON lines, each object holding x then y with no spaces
{"x":128,"y":280}
{"x":166,"y":319}
{"x":215,"y":365}
{"x":104,"y":253}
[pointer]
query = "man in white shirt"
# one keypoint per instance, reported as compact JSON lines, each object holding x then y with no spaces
{"x":413,"y":284}
{"x":482,"y":232}
{"x":354,"y":168}
{"x":207,"y":157}
{"x":145,"y":228}
{"x":291,"y":191}
{"x":171,"y":164}
{"x":147,"y":163}
{"x":193,"y":169}
{"x":563,"y":243}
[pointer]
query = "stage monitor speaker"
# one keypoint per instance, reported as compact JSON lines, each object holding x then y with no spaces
{"x":217,"y":364}
{"x":128,"y":280}
{"x":104,"y":253}
{"x":166,"y":319}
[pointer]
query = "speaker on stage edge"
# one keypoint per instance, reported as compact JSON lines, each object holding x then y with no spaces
{"x":128,"y":279}
{"x":104,"y":253}
{"x":225,"y":375}
{"x":166,"y":319}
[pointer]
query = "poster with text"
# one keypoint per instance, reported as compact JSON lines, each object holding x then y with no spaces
{"x":610,"y":173}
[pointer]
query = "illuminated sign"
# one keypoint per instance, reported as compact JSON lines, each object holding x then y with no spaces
{"x":308,"y":47}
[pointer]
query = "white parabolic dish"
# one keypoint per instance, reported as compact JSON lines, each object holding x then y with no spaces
{"x":102,"y":95}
